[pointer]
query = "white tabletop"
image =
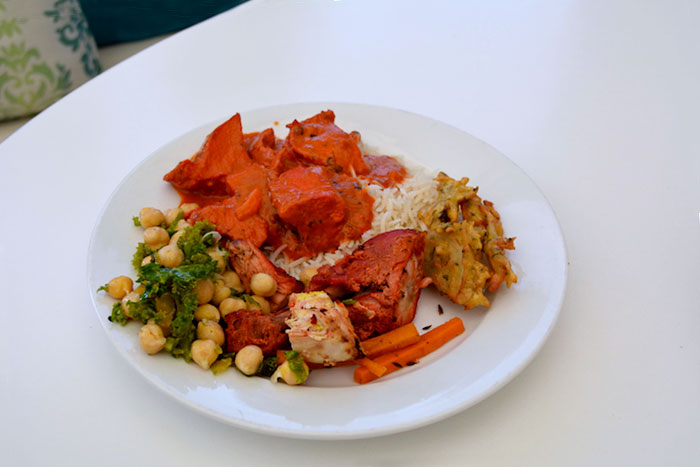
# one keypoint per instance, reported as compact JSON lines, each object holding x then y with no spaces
{"x":596,"y":101}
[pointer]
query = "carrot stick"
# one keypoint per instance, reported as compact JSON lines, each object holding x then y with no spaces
{"x":390,"y":341}
{"x":250,"y":206}
{"x":429,"y":342}
{"x":375,"y":368}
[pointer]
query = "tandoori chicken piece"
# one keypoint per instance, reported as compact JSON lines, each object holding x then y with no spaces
{"x":242,"y":184}
{"x":253,"y":327}
{"x":246,"y":259}
{"x":222,"y":153}
{"x":359,"y":203}
{"x":464,"y":247}
{"x":285,"y":159}
{"x":262,"y":147}
{"x":384,"y":170}
{"x":305,"y":198}
{"x":223,"y":215}
{"x":320,"y":329}
{"x":320,"y":141}
{"x":384,"y":276}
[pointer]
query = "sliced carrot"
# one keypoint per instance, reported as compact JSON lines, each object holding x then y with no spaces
{"x":429,"y":342}
{"x":375,"y":368}
{"x":390,"y":341}
{"x":250,"y":206}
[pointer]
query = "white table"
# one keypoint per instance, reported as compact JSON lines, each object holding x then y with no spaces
{"x":596,"y":101}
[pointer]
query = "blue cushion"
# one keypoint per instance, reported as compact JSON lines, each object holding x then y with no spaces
{"x":113,"y":21}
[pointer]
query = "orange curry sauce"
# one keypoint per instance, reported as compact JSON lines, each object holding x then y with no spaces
{"x":302,"y":192}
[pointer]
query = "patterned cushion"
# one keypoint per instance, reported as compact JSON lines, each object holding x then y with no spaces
{"x":46,"y":50}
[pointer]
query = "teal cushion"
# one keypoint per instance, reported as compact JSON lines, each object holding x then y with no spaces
{"x":113,"y":21}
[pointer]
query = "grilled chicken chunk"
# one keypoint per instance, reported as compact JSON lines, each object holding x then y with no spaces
{"x":246,"y":259}
{"x":320,"y":329}
{"x":385,"y":277}
{"x":221,"y":154}
{"x":253,"y":327}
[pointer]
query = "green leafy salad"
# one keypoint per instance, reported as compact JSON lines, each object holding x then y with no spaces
{"x":172,"y":288}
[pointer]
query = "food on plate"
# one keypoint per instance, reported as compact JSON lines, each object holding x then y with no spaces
{"x":255,"y":327}
{"x":319,"y":141}
{"x":320,"y":329}
{"x":382,"y":281}
{"x":222,"y":154}
{"x":393,"y":340}
{"x":465,"y":245}
{"x":249,"y":359}
{"x":249,"y":262}
{"x":408,"y":356}
{"x":287,"y":255}
{"x":293,"y":370}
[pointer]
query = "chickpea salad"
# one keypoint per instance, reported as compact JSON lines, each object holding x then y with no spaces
{"x":184,"y":290}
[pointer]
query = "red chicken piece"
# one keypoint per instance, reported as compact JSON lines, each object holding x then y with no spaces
{"x":245,"y":182}
{"x":246,"y":259}
{"x":386,"y":274}
{"x":305,"y":198}
{"x":359,"y":214}
{"x":262,"y":147}
{"x":222,"y":214}
{"x":222,"y":153}
{"x":285,"y":159}
{"x":253,"y":327}
{"x":320,"y":141}
{"x":385,"y":170}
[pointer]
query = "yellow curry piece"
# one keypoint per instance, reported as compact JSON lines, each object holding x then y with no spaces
{"x":464,"y":248}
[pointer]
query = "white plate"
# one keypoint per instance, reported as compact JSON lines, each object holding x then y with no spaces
{"x":498,"y":343}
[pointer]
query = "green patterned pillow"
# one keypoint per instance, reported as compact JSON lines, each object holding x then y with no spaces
{"x":46,"y":50}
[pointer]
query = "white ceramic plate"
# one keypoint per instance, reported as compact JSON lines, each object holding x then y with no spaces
{"x":497,"y":345}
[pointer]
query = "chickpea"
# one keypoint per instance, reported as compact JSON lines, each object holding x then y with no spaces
{"x":285,"y":373}
{"x":170,"y":256}
{"x":171,"y":215}
{"x":151,"y":338}
{"x":119,"y":287}
{"x":207,"y":311}
{"x":307,"y":274}
{"x":263,"y":284}
{"x":156,"y":237}
{"x":262,"y":304}
{"x":130,"y":297}
{"x":208,"y":329}
{"x":204,"y":288}
{"x":176,"y":236}
{"x":204,"y":352}
{"x":218,"y":256}
{"x":146,"y":260}
{"x":231,"y":280}
{"x":231,"y":304}
{"x":150,"y":217}
{"x":221,"y":292}
{"x":140,"y":290}
{"x":189,"y":207}
{"x":182,"y":224}
{"x":249,"y":359}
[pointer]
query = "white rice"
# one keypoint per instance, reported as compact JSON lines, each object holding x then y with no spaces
{"x":394,"y":208}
